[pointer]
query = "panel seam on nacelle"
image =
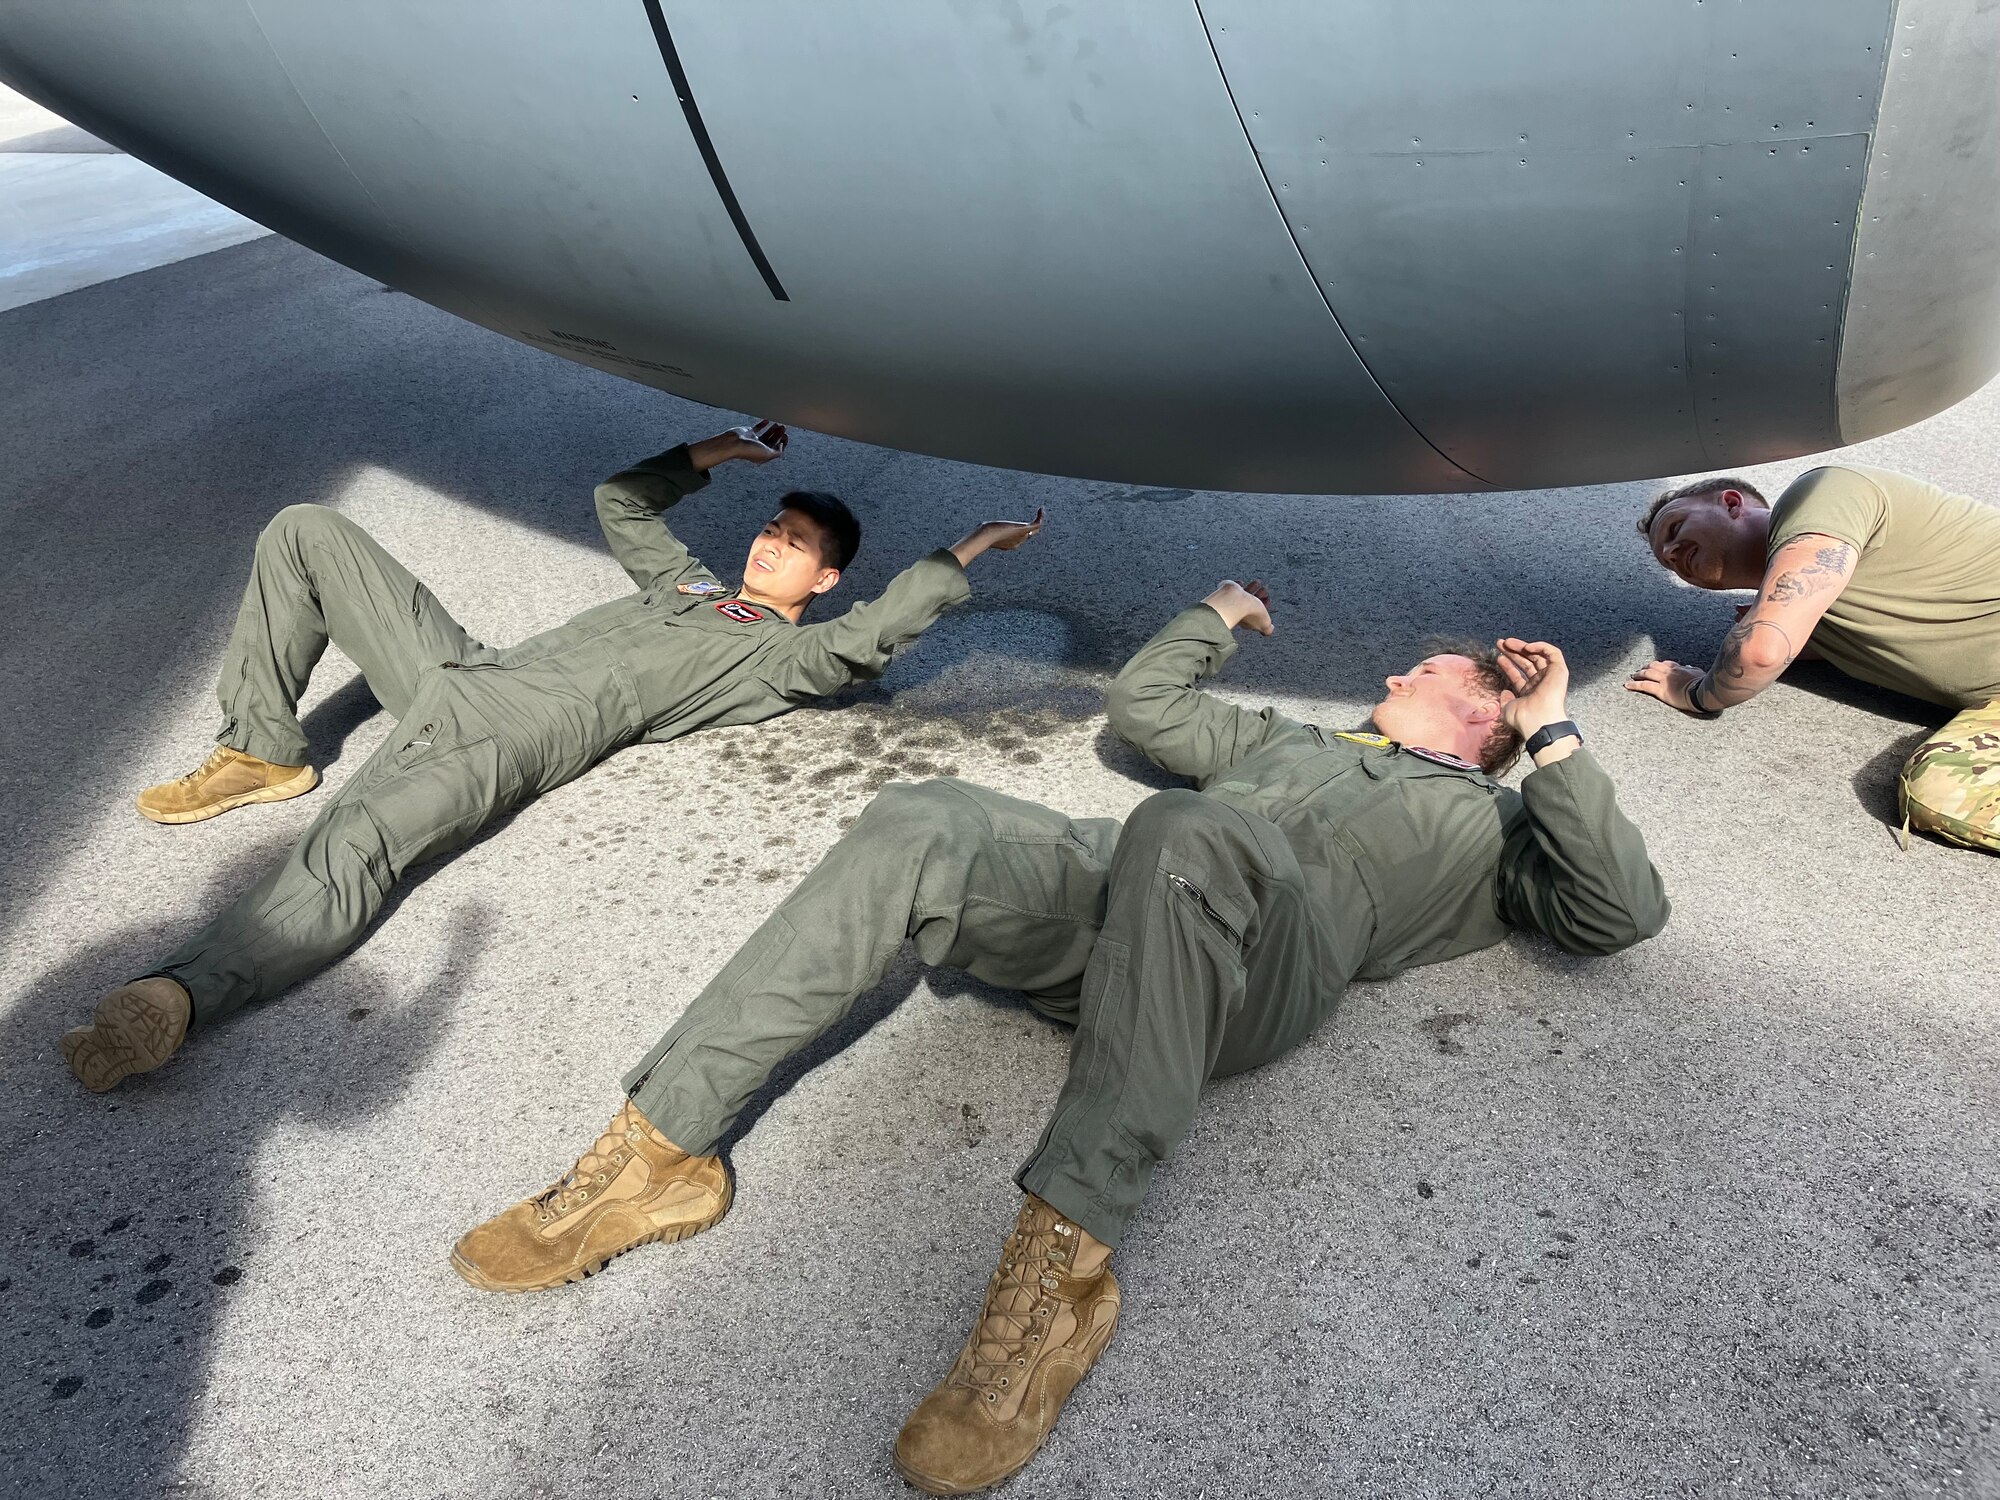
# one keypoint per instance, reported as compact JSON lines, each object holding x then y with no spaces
{"x":1860,"y":209}
{"x":677,"y":75}
{"x":312,"y":114}
{"x":1250,"y":142}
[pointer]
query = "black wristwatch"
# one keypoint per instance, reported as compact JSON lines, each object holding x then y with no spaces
{"x":1548,"y":734}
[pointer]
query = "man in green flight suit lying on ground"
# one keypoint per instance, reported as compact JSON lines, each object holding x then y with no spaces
{"x":1211,"y":933}
{"x":480,"y":730}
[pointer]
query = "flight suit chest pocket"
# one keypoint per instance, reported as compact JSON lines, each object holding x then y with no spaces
{"x":1372,"y":824}
{"x":677,"y":605}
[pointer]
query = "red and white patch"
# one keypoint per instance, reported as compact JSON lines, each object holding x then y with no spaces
{"x":737,"y":610}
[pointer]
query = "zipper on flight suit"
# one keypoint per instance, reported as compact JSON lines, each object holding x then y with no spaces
{"x":1201,"y":899}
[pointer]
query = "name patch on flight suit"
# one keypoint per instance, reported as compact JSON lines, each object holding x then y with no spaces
{"x":737,"y":610}
{"x":1377,"y":740}
{"x":702,"y":588}
{"x":1441,"y":758}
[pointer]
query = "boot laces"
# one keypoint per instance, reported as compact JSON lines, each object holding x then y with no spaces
{"x":1019,"y":1308}
{"x":593,"y":1170}
{"x":217,"y":758}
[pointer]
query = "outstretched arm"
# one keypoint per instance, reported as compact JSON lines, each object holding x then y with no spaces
{"x":1155,"y":705}
{"x":631,"y":503}
{"x":858,"y":646}
{"x":1805,"y":577}
{"x":1574,"y":867}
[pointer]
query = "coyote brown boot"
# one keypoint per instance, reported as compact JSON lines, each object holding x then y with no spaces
{"x":633,"y":1187}
{"x":1049,"y":1312}
{"x":134,"y":1029}
{"x":228,"y":778}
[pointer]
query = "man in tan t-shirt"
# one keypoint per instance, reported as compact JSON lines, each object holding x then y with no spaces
{"x":1890,"y":578}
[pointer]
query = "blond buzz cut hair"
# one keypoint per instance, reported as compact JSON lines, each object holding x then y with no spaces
{"x":1699,"y":487}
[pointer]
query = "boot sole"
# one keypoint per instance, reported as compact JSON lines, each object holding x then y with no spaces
{"x":112,"y":1052}
{"x":666,"y":1234}
{"x":933,"y":1486}
{"x":284,"y":791}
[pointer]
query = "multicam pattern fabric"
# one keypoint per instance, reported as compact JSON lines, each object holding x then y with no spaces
{"x":1951,"y":785}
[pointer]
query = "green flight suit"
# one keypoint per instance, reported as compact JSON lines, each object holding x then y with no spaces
{"x":1211,"y":933}
{"x":480,"y":730}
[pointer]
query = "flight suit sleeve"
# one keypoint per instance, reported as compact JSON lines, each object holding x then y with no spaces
{"x":1574,"y":867}
{"x":629,"y":508}
{"x":858,"y":646}
{"x":1153,"y":702}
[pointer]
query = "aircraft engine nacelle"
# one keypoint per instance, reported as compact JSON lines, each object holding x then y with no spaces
{"x":1311,"y":245}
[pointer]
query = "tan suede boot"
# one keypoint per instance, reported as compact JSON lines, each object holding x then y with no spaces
{"x":633,"y":1187}
{"x":134,"y":1029}
{"x":1049,"y":1312}
{"x":228,"y":778}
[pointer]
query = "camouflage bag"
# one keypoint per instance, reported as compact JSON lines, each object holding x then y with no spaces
{"x":1951,"y":785}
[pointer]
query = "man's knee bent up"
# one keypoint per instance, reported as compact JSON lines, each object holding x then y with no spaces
{"x":908,"y":814}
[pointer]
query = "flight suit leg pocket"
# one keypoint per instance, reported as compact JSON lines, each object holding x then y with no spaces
{"x":442,"y":781}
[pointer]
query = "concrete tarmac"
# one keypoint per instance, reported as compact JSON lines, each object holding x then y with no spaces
{"x":1718,"y":1216}
{"x":79,"y":211}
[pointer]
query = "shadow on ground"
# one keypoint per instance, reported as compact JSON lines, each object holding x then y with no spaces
{"x":147,"y":1207}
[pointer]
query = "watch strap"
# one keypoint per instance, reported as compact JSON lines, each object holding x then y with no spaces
{"x":1548,"y":734}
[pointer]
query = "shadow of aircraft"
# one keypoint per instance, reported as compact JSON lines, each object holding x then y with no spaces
{"x":161,"y":419}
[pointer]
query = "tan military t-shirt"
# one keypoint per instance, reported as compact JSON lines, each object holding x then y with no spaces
{"x":1921,"y":614}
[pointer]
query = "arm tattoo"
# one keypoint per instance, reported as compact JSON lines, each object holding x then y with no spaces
{"x":1730,"y":676}
{"x":1822,"y":573}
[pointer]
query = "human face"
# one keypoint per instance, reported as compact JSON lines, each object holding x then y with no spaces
{"x":1693,"y":537}
{"x":786,"y":566}
{"x":1439,"y":704}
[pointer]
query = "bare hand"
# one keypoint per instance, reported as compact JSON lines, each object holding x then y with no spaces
{"x":994,"y":536}
{"x":1671,"y":682}
{"x":1539,"y":677}
{"x":1005,"y":536}
{"x":1245,"y":604}
{"x":758,"y":443}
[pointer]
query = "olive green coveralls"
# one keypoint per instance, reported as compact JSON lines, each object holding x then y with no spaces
{"x":1211,"y":933}
{"x":480,"y":730}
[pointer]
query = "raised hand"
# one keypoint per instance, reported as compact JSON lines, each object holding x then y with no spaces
{"x":1245,"y":604}
{"x":1539,"y":676}
{"x":994,"y":536}
{"x":758,"y":443}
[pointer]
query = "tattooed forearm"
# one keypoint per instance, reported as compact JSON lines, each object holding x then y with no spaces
{"x":1827,"y":570}
{"x":1732,"y":680}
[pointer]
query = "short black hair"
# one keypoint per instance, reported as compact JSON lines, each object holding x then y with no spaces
{"x":840,"y":532}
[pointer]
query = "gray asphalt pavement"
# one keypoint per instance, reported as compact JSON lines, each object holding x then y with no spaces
{"x":1718,"y":1216}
